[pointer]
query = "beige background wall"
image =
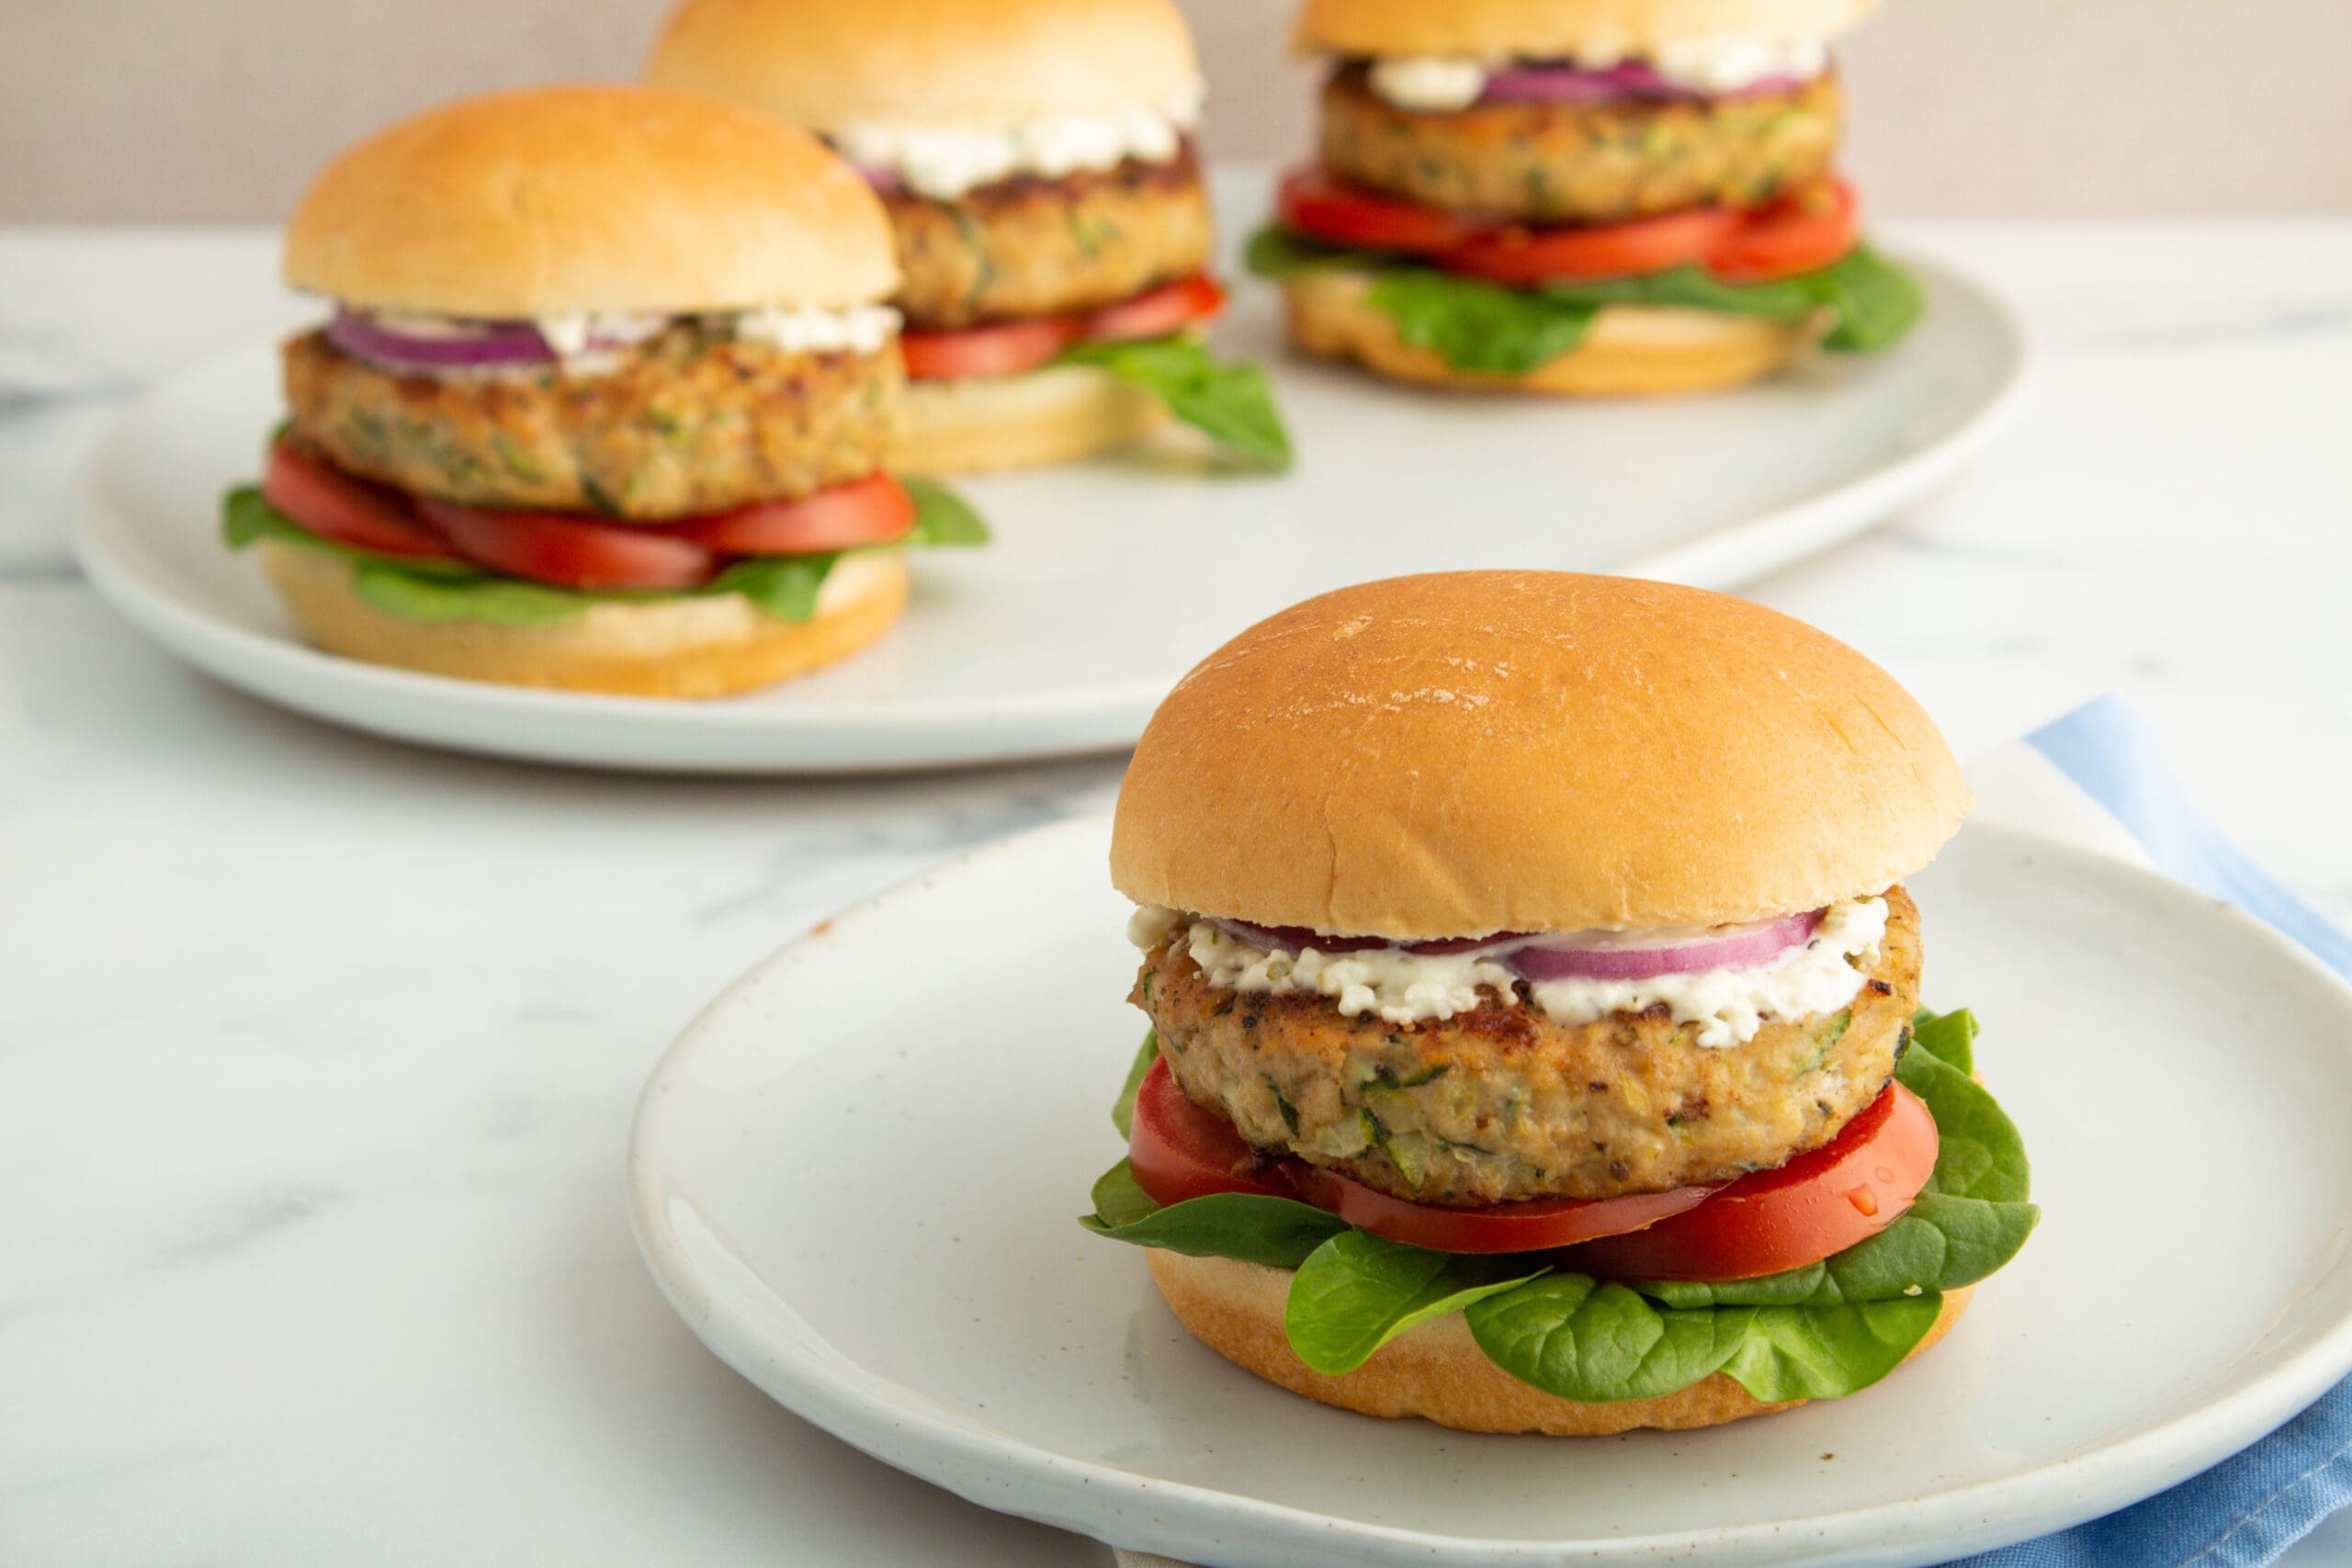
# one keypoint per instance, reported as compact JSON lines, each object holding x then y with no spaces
{"x":160,"y":110}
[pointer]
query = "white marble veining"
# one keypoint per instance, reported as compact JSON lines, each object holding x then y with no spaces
{"x":316,"y":1053}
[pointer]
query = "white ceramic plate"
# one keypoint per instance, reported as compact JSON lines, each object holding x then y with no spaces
{"x":856,"y":1176}
{"x":1109,"y":580}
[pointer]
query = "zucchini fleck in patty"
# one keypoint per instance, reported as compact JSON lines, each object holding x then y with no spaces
{"x":1501,"y":1104}
{"x":1029,"y":246}
{"x":1600,"y":162}
{"x":690,"y":421}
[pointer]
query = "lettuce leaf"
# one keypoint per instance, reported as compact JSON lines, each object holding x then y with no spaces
{"x":1231,"y":404}
{"x":1495,"y":329}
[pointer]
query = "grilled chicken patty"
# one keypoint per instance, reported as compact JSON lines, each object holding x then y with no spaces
{"x":1027,"y":246}
{"x":690,"y":421}
{"x":1600,"y":162}
{"x":1501,"y":1104}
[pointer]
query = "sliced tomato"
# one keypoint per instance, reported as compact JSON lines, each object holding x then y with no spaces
{"x":1322,"y":207}
{"x":1820,"y":1202}
{"x":1156,"y":312}
{"x":1533,"y":1226}
{"x":1008,"y":349}
{"x":1802,"y":230}
{"x":1592,"y":251}
{"x":872,"y":511}
{"x":1003,"y":348}
{"x":1179,"y":1151}
{"x":572,"y":552}
{"x":332,"y":504}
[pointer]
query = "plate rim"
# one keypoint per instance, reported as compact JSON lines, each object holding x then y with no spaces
{"x":863,"y":1408}
{"x":656,"y":735}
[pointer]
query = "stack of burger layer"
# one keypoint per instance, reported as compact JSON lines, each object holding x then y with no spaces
{"x":1536,"y":1040}
{"x":603,"y":403}
{"x":1608,"y":196}
{"x":1037,"y":161}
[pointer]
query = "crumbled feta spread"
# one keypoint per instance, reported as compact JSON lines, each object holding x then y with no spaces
{"x":1429,"y":84}
{"x":1729,"y":1004}
{"x":859,"y":329}
{"x":570,"y":334}
{"x":945,"y":161}
{"x":1717,"y":62}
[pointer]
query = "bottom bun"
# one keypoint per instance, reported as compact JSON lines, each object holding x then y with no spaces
{"x":1052,"y":415}
{"x":666,"y":647}
{"x":1630,"y":350}
{"x":1435,"y":1371}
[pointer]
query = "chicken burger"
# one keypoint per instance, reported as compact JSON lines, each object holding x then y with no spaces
{"x":602,"y":404}
{"x":1594,"y":197}
{"x":1037,"y":161}
{"x":1536,"y":1040}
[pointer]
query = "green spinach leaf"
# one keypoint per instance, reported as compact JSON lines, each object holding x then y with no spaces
{"x":1279,"y":1232}
{"x":943,"y":517}
{"x":1572,"y":1336}
{"x":1979,"y":1152}
{"x":502,"y":601}
{"x":1827,"y":1352}
{"x":1356,"y":1292}
{"x":1231,"y":404}
{"x":1123,"y":1110}
{"x":1480,"y":327}
{"x":782,"y":587}
{"x":1949,"y":1037}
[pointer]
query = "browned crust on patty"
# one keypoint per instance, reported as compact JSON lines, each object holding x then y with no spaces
{"x":1582,"y":163}
{"x":1028,"y":246}
{"x":692,"y":422}
{"x":1501,"y":1104}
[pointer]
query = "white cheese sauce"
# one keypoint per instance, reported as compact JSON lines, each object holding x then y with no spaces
{"x":1729,"y":1004}
{"x":595,"y":343}
{"x":1717,"y":62}
{"x":944,"y":162}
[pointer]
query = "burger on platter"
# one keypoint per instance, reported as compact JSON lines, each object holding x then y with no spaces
{"x":1036,"y":158}
{"x":602,"y":405}
{"x":1583,"y":197}
{"x":1536,"y":1042}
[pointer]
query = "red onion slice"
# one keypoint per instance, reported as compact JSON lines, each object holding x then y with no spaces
{"x":1628,"y":79}
{"x":1753,"y":944}
{"x":1578,"y":956}
{"x":488,"y":343}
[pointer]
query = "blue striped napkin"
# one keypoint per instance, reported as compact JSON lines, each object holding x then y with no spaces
{"x":2098,"y":777}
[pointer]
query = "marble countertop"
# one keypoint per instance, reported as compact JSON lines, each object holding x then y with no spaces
{"x":317,"y":1052}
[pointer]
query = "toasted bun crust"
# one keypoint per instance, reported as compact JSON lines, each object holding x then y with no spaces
{"x":1630,"y":350}
{"x":1054,"y":415}
{"x":682,"y":647}
{"x":1435,"y":1371}
{"x":827,"y":63}
{"x":1554,"y":30}
{"x":1476,"y":752}
{"x":553,"y":199}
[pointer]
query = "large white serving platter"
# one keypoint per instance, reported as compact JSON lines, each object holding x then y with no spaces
{"x":856,"y":1176}
{"x":1110,"y":578}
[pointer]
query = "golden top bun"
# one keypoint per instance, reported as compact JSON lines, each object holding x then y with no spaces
{"x":829,"y":63}
{"x":1477,"y":751}
{"x":1558,"y":30}
{"x":1435,"y":1371}
{"x":548,"y":200}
